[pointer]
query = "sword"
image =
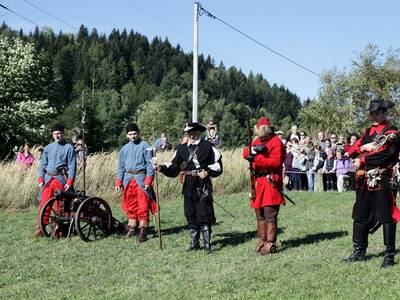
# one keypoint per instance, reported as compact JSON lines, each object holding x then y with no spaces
{"x":272,"y":181}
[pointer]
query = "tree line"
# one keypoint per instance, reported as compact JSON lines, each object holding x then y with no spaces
{"x":124,"y":77}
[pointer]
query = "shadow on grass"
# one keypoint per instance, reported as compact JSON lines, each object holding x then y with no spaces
{"x":173,"y":230}
{"x":380,"y":254}
{"x":236,"y":238}
{"x":178,"y":229}
{"x":311,"y":239}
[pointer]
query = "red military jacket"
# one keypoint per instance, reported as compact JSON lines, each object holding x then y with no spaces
{"x":270,"y":162}
{"x":386,"y":156}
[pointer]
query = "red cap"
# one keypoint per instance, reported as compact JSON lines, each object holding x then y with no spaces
{"x":263,"y":122}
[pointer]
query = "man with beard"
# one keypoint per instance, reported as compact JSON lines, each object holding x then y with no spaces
{"x":266,"y":154}
{"x":196,"y":162}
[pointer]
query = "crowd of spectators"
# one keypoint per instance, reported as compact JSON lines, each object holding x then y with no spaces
{"x":317,"y":163}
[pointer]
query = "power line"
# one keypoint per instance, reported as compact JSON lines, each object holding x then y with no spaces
{"x":210,"y":15}
{"x":19,"y":15}
{"x":182,"y":33}
{"x":51,"y":15}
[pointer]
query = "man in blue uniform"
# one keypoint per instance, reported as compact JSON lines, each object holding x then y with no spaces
{"x":134,"y":177}
{"x":57,"y":168}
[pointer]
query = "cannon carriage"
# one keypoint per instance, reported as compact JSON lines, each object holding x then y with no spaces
{"x":75,"y":213}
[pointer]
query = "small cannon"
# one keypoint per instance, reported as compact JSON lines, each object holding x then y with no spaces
{"x":68,"y":213}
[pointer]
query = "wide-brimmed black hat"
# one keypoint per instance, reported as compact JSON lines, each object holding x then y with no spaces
{"x":57,"y":127}
{"x":375,"y":105}
{"x":194,"y":126}
{"x":131,"y":127}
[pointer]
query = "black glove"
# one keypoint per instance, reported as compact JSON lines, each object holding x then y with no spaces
{"x":250,"y":158}
{"x":260,"y":149}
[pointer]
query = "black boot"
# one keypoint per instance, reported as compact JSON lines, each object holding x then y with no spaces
{"x":194,"y":240}
{"x":360,"y":242}
{"x":142,"y":235}
{"x":206,"y":231}
{"x":389,"y":239}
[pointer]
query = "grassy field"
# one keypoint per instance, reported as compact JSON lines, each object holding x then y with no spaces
{"x":314,"y":237}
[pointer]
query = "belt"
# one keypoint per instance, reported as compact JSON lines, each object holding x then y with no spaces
{"x":362,"y":172}
{"x":53,"y":173}
{"x":191,"y":173}
{"x":263,"y":174}
{"x":135,"y":172}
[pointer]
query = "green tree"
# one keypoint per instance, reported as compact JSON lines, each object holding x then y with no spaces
{"x":25,"y":82}
{"x":344,"y":96}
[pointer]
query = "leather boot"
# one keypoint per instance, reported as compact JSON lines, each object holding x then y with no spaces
{"x":206,"y":231}
{"x":262,"y":234}
{"x":194,"y":240}
{"x":270,"y":244}
{"x":132,"y":228}
{"x":389,"y":239}
{"x":132,"y":231}
{"x":142,"y":235}
{"x":360,"y":242}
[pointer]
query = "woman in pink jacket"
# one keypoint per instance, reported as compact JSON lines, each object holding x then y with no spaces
{"x":25,"y":156}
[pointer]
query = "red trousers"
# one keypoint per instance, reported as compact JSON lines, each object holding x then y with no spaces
{"x":48,"y":193}
{"x":136,"y":203}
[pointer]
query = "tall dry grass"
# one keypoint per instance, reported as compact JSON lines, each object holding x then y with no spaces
{"x":18,"y":188}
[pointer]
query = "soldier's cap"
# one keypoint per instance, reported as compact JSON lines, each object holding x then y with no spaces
{"x":378,"y":104}
{"x":194,"y":126}
{"x":131,"y":127}
{"x":57,"y":127}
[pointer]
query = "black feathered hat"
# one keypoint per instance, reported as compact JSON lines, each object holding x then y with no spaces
{"x":194,"y":126}
{"x":375,"y":105}
{"x":57,"y":127}
{"x":131,"y":127}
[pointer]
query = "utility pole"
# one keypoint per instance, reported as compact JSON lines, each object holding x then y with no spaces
{"x":195,"y":62}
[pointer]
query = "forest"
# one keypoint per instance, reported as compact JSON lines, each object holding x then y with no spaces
{"x":47,"y":78}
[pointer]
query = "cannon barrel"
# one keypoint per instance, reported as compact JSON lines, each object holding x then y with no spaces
{"x":66,"y":195}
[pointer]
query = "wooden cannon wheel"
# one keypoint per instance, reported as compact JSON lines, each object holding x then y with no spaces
{"x":93,"y":219}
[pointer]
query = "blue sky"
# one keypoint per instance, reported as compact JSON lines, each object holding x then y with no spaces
{"x":318,"y":34}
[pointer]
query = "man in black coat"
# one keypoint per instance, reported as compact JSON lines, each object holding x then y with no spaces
{"x":196,"y":162}
{"x":375,"y":154}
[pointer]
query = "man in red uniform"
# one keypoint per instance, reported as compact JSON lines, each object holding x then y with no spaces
{"x":266,"y":156}
{"x":379,"y":147}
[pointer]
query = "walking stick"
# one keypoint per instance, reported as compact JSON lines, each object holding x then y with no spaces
{"x":252,"y":194}
{"x":158,"y":204}
{"x":83,"y":121}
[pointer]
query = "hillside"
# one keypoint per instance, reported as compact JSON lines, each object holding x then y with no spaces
{"x":124,"y":76}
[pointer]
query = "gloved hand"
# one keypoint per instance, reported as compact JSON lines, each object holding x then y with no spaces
{"x":258,"y":149}
{"x":250,"y":158}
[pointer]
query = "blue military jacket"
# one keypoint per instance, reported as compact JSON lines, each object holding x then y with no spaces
{"x":135,"y":156}
{"x":58,"y":155}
